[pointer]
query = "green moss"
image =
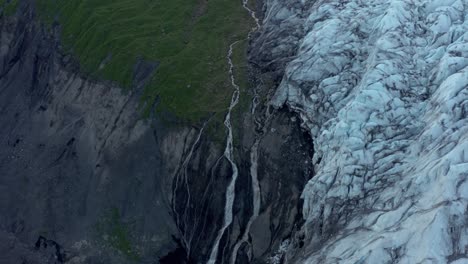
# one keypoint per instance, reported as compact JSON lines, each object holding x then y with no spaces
{"x":9,"y":7}
{"x":116,"y":234}
{"x":216,"y":130}
{"x":241,"y":73}
{"x":189,"y":38}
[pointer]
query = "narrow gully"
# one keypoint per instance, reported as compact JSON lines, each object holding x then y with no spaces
{"x":182,"y":177}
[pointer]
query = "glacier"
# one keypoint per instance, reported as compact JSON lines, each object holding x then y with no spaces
{"x":382,"y":88}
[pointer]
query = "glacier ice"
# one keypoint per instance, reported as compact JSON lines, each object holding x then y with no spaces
{"x":382,"y":87}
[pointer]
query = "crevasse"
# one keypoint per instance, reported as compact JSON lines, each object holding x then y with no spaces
{"x":382,"y":87}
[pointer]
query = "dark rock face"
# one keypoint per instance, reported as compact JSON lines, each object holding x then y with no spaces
{"x":55,"y":250}
{"x":83,"y":179}
{"x":74,"y":149}
{"x":283,"y":170}
{"x":15,"y":251}
{"x":276,"y":43}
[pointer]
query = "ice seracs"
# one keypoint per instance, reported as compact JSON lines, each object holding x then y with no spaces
{"x":382,"y":87}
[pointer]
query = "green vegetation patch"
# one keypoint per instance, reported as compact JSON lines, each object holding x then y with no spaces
{"x":116,"y":234}
{"x":9,"y":7}
{"x":189,"y":39}
{"x":241,"y":71}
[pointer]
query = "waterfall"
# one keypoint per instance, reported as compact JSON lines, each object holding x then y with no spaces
{"x":228,"y":154}
{"x":184,"y":180}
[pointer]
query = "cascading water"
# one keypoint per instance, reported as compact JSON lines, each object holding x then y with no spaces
{"x":245,"y":4}
{"x":256,"y":192}
{"x":228,"y":154}
{"x":255,"y":199}
{"x":182,"y":176}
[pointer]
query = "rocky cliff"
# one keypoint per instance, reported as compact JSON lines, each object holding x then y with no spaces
{"x":86,"y":179}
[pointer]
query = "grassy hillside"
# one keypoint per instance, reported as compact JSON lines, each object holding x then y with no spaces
{"x":189,"y":38}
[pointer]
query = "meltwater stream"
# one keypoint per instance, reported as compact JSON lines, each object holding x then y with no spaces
{"x":228,"y":154}
{"x":245,"y":4}
{"x":255,"y":199}
{"x":256,"y":192}
{"x":182,"y":177}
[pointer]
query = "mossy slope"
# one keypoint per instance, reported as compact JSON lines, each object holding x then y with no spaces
{"x":189,"y":38}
